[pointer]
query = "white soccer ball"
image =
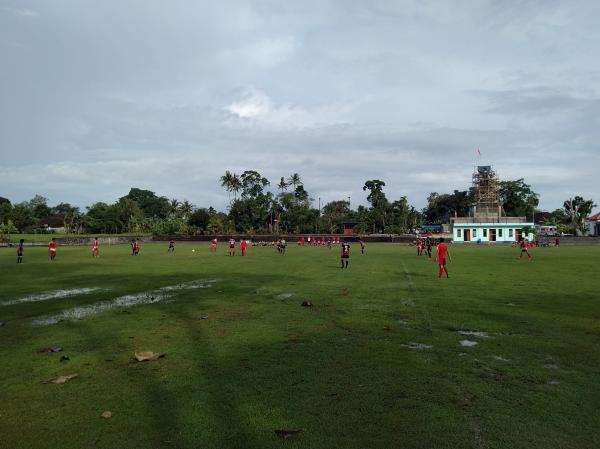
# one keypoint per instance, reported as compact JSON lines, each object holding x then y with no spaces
{"x":193,"y":250}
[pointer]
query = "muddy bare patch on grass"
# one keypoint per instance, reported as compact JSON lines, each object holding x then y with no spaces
{"x":467,"y":333}
{"x":150,"y":297}
{"x":413,"y":345}
{"x":56,"y":294}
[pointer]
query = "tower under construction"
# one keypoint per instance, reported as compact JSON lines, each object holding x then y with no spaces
{"x":486,"y":206}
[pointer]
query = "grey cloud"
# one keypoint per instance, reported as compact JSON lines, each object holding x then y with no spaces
{"x":99,"y":97}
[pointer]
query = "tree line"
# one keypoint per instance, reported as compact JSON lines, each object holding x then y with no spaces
{"x":255,"y":207}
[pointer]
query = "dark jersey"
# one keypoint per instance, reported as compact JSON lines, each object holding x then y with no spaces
{"x":345,"y":249}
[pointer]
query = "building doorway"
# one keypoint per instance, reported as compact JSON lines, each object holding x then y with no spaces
{"x":492,"y":235}
{"x":467,"y":234}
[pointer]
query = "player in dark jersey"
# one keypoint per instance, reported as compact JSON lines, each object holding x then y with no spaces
{"x":232,"y":246}
{"x":428,"y":246}
{"x":20,"y":251}
{"x":171,"y":248}
{"x":362,"y":247}
{"x":345,"y":254}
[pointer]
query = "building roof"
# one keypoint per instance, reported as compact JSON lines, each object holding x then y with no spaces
{"x":595,"y":217}
{"x":52,"y":221}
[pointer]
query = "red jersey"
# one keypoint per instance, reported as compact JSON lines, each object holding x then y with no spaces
{"x":95,"y":245}
{"x":442,"y":249}
{"x":525,"y":245}
{"x":213,"y":242}
{"x":136,"y":245}
{"x":52,"y":246}
{"x":419,"y":243}
{"x":243,"y":244}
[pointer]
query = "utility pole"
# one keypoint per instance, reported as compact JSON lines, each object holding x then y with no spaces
{"x":319,"y":216}
{"x":348,"y":202}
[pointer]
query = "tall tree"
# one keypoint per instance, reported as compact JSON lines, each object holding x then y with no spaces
{"x":578,"y":209}
{"x":517,"y":198}
{"x":283,"y":185}
{"x":294,"y":180}
{"x":227,"y":182}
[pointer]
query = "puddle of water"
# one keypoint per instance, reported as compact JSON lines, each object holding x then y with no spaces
{"x":56,"y":294}
{"x":468,"y":343}
{"x":413,"y":345}
{"x":474,"y":334}
{"x":502,"y":359}
{"x":151,"y":297}
{"x":551,"y":366}
{"x":553,"y":382}
{"x":285,"y":295}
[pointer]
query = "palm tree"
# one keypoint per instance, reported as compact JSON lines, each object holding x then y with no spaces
{"x":173,"y":207}
{"x":236,"y":185}
{"x":283,"y":185}
{"x":294,"y":180}
{"x":227,"y":182}
{"x":185,"y":209}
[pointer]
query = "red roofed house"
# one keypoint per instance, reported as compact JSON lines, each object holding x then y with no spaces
{"x":593,"y":225}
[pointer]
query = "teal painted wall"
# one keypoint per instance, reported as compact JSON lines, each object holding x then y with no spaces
{"x":482,"y":231}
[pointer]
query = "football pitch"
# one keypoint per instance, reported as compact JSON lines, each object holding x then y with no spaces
{"x":504,"y":354}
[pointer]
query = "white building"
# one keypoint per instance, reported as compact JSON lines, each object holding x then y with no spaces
{"x":485,"y":222}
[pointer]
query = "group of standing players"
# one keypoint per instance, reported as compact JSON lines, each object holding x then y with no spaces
{"x":441,"y":253}
{"x":424,"y":246}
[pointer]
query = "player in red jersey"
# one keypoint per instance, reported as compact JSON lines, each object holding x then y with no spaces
{"x":440,"y":255}
{"x":232,"y":246}
{"x":419,"y":246}
{"x":213,"y":245}
{"x":345,"y":254}
{"x":243,"y":246}
{"x":95,"y":248}
{"x":136,"y":247}
{"x":52,"y":248}
{"x":525,"y":249}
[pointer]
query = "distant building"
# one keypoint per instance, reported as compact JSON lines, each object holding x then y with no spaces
{"x":486,"y":222}
{"x":593,"y":225}
{"x":51,"y":224}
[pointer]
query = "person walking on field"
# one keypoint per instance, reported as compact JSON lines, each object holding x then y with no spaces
{"x":213,"y":245}
{"x":171,"y":248}
{"x":525,"y":249}
{"x":345,"y":254}
{"x":136,"y":247}
{"x":232,"y":246}
{"x":20,"y":251}
{"x":428,"y":246}
{"x":52,"y":248}
{"x":95,"y":248}
{"x":243,"y":246}
{"x":440,"y":255}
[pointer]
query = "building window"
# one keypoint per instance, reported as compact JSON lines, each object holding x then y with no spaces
{"x":510,"y":233}
{"x":485,"y":232}
{"x":459,"y":233}
{"x":499,"y":232}
{"x":474,"y":232}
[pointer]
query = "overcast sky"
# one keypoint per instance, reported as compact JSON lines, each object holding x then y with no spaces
{"x":100,"y":96}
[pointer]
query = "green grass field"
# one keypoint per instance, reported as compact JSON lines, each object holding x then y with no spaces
{"x":348,"y":372}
